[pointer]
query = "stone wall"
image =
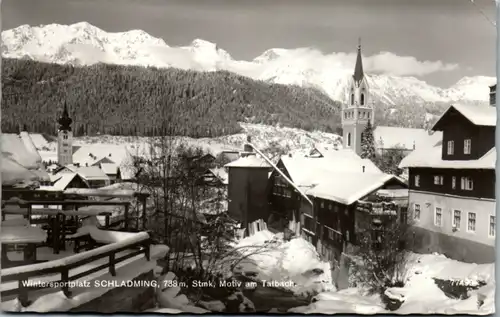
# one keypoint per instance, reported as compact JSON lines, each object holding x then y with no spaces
{"x":123,"y":299}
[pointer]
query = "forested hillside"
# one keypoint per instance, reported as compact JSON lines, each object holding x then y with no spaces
{"x":125,"y":100}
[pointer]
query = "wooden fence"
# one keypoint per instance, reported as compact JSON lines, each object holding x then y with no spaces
{"x":139,"y":243}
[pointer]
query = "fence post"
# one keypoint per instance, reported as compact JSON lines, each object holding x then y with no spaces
{"x":65,"y":282}
{"x":112,"y":268}
{"x":125,"y":225}
{"x":23,"y":292}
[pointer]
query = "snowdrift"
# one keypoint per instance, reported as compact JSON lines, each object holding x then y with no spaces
{"x":283,"y":261}
{"x":421,"y":294}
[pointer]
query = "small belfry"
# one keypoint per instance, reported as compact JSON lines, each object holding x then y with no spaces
{"x":64,"y":139}
{"x":357,"y":111}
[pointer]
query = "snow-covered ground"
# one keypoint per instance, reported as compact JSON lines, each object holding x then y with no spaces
{"x":285,"y":261}
{"x":263,"y":136}
{"x":421,"y":294}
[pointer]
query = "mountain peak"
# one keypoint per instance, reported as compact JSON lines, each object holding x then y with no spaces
{"x":83,"y":44}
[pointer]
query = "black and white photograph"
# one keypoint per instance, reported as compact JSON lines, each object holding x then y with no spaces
{"x":249,"y":156}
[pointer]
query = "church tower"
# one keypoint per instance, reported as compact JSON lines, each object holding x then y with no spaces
{"x":64,"y":139}
{"x":357,"y":111}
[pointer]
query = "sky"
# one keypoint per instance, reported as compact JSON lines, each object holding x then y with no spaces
{"x":439,"y":41}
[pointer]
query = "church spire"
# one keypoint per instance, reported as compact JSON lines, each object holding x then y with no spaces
{"x":358,"y":69}
{"x":65,"y":121}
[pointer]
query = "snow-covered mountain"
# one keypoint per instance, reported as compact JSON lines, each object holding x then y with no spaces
{"x":84,"y":44}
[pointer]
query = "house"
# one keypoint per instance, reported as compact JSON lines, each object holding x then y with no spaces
{"x":64,"y":181}
{"x":248,"y":188}
{"x":403,"y":139}
{"x":112,"y":170}
{"x":452,"y":186}
{"x":335,"y":181}
{"x":216,"y":177}
{"x":94,"y":176}
{"x":22,"y":167}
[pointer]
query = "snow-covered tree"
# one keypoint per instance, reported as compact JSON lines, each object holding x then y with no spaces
{"x":368,"y":142}
{"x":388,"y":161}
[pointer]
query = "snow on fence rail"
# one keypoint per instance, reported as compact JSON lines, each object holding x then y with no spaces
{"x":22,"y":274}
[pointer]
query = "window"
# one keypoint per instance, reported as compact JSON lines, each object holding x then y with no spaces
{"x":471,"y":222}
{"x":451,"y":147}
{"x":349,"y":139}
{"x":467,"y":146}
{"x":438,"y":180}
{"x":416,"y":212}
{"x":417,"y":180}
{"x":330,"y":206}
{"x":438,"y":217}
{"x":352,"y":99}
{"x":466,"y":183}
{"x":457,"y":218}
{"x":492,"y":226}
{"x":362,"y":99}
{"x":345,"y":115}
{"x":403,"y":215}
{"x":453,"y":182}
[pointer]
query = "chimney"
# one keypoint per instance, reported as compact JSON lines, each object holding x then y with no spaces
{"x":363,"y":168}
{"x":246,"y":147}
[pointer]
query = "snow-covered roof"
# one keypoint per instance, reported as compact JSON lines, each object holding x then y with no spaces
{"x":70,"y":168}
{"x":482,"y":115}
{"x":64,"y":181}
{"x":14,"y":146}
{"x":305,"y":171}
{"x":407,"y":138}
{"x":338,"y":175}
{"x":135,"y":187}
{"x":221,"y":174}
{"x":89,"y":154}
{"x":39,"y":140}
{"x":250,"y":161}
{"x":21,"y":162}
{"x":91,"y":173}
{"x":347,"y":188}
{"x":432,"y":157}
{"x":109,"y":168}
